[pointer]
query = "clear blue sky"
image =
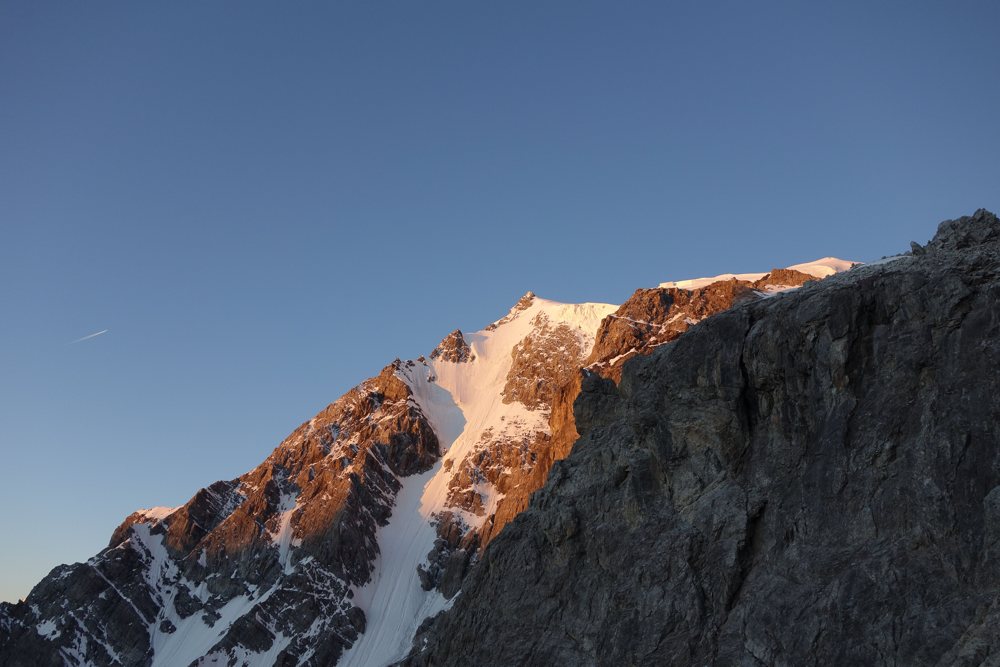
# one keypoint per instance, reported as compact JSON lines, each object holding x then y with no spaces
{"x":267,"y":202}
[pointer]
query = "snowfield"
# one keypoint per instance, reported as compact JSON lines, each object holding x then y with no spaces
{"x":820,"y":268}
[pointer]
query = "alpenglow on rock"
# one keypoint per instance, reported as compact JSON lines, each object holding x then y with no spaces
{"x":369,"y":517}
{"x":806,"y":480}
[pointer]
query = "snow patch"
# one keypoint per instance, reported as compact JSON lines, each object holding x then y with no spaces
{"x":821,"y":268}
{"x":157,"y":513}
{"x":48,"y":629}
{"x":282,"y":536}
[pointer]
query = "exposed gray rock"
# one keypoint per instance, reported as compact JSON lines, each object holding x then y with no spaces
{"x":967,"y":232}
{"x":812,"y":479}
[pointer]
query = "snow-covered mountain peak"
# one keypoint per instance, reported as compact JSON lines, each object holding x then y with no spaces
{"x":820,"y":268}
{"x":366,"y":519}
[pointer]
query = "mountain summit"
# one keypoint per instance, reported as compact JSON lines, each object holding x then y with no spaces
{"x":368,"y":518}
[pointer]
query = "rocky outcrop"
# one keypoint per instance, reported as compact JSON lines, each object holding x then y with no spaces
{"x":782,"y":279}
{"x":542,"y":362}
{"x":263,"y":565}
{"x":808,"y":479}
{"x":652,"y":317}
{"x":453,"y":348}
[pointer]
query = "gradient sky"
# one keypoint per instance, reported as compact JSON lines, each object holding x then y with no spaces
{"x":265,"y":203}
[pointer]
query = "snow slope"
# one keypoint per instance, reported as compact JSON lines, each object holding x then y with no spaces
{"x":393,"y":600}
{"x":461,"y":400}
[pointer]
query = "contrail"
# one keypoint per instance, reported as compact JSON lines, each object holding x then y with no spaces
{"x":93,"y":335}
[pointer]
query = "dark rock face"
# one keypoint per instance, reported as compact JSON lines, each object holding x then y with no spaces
{"x":808,"y":479}
{"x":979,"y":229}
{"x":283,"y":545}
{"x":453,"y":554}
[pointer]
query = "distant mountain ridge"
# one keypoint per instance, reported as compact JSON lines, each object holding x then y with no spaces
{"x":366,"y":520}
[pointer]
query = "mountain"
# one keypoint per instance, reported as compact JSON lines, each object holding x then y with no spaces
{"x":368,"y":518}
{"x":805,"y":480}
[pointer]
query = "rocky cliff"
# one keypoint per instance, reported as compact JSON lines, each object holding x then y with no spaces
{"x":807,"y":479}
